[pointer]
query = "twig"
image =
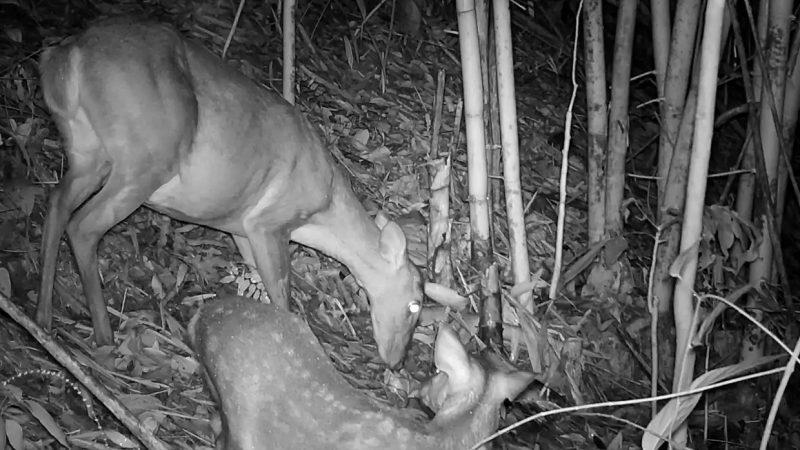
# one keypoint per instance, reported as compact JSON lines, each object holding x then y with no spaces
{"x":98,"y":390}
{"x":233,"y":29}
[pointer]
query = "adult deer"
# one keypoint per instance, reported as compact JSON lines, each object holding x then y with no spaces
{"x":152,"y":118}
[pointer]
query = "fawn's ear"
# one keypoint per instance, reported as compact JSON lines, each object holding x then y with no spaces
{"x":510,"y":384}
{"x":451,"y":358}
